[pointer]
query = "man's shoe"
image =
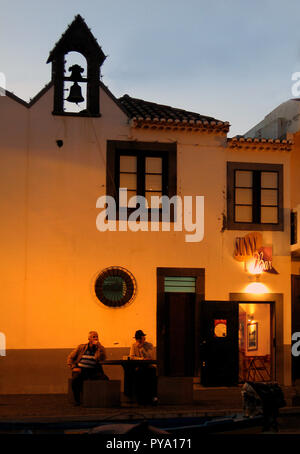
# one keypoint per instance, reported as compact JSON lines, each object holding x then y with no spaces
{"x":76,"y":404}
{"x":155,"y":401}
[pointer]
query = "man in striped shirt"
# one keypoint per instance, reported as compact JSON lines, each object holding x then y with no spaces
{"x":85,"y":364}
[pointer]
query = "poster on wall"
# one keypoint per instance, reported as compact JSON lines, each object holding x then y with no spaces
{"x":252,"y":336}
{"x":220,"y":328}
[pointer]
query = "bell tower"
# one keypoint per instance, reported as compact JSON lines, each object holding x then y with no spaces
{"x":76,"y":39}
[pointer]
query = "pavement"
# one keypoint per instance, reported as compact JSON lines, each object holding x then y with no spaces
{"x":208,"y":402}
{"x":56,"y":407}
{"x":53,"y":414}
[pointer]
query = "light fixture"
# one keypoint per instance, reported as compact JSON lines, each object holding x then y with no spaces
{"x":253,"y":267}
{"x":257,"y":288}
{"x":254,"y":277}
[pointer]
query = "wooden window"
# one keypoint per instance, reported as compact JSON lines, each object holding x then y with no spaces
{"x":154,"y":177}
{"x":254,"y":196}
{"x":128,"y":174}
{"x":141,"y":174}
{"x":143,"y":168}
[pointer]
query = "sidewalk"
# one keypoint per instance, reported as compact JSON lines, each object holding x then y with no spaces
{"x":56,"y":407}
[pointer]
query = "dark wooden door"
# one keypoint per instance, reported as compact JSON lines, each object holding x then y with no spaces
{"x":219,"y":343}
{"x":179,"y":334}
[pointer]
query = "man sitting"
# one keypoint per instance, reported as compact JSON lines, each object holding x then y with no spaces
{"x":85,"y":364}
{"x":144,"y":379}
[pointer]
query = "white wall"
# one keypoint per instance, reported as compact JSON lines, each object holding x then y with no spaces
{"x":53,"y":252}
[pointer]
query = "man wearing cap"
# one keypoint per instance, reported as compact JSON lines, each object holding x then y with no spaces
{"x":85,"y":364}
{"x":145,"y":382}
{"x":141,"y":348}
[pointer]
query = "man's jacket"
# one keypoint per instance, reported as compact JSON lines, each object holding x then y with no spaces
{"x":76,"y":355}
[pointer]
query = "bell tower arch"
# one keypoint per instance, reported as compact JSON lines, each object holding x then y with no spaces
{"x":77,"y":38}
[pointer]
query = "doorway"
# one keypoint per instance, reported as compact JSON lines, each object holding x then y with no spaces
{"x":236,"y":342}
{"x":180,"y":292}
{"x":219,"y":343}
{"x":255,"y":341}
{"x":180,"y":334}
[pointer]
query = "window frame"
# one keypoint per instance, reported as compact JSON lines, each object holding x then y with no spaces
{"x":232,"y":167}
{"x":168,"y":153}
{"x":125,"y":275}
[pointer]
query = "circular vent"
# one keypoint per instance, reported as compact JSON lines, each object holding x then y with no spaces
{"x":115,"y":287}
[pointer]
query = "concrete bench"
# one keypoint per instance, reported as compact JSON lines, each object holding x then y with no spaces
{"x":175,"y":390}
{"x":98,"y":393}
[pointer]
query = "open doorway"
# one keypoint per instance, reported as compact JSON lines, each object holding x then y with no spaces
{"x":255,"y":341}
{"x":237,"y":342}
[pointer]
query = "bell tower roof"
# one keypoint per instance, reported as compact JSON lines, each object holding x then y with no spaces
{"x":77,"y":38}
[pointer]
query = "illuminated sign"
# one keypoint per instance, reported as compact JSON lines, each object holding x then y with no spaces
{"x":257,"y":258}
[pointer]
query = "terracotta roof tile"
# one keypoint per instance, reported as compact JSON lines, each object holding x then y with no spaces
{"x":150,"y":111}
{"x":239,"y":142}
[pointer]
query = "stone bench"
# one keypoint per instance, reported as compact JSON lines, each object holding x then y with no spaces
{"x":98,"y":393}
{"x":175,"y":390}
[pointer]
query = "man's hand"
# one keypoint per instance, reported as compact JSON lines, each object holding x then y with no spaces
{"x":76,"y":369}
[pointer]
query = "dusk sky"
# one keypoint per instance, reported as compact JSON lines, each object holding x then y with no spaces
{"x":229,"y":59}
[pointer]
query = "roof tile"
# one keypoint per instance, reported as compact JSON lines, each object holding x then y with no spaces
{"x":140,"y":109}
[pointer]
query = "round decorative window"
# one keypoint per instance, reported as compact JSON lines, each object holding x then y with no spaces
{"x":115,"y":287}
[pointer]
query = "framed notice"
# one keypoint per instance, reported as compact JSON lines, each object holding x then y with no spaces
{"x":220,"y":328}
{"x":252,"y":336}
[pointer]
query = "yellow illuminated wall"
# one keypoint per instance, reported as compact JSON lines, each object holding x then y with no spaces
{"x":52,"y":252}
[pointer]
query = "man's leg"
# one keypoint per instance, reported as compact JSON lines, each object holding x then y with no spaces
{"x":98,"y":374}
{"x":139,"y":385}
{"x":145,"y":384}
{"x":77,"y":381}
{"x":153,"y":383}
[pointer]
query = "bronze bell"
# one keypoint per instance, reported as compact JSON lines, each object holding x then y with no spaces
{"x":75,"y":94}
{"x":76,"y":71}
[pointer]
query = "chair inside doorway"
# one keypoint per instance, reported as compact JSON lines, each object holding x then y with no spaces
{"x":255,"y":339}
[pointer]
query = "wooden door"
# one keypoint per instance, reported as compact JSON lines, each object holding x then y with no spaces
{"x":219,"y":343}
{"x":179,"y":334}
